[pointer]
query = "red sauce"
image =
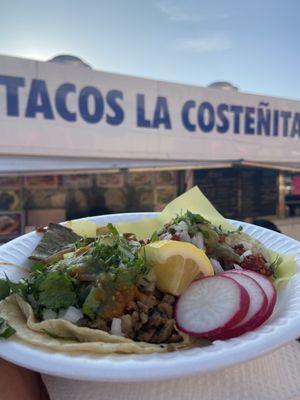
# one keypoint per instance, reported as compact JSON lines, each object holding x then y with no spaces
{"x":116,"y":304}
{"x":257,"y":263}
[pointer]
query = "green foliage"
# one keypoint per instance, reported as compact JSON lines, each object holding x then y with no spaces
{"x":56,"y":290}
{"x":115,"y":255}
{"x":8,"y":287}
{"x":83,"y":242}
{"x":5,"y":329}
{"x":38,"y":267}
{"x":192,"y":220}
{"x":112,"y":262}
{"x":4,"y":288}
{"x":113,"y":230}
{"x":213,"y":235}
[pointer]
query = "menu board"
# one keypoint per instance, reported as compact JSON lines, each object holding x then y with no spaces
{"x":220,"y":186}
{"x":259,"y":191}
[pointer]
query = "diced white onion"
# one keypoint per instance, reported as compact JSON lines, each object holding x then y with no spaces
{"x":198,"y":240}
{"x":184,"y":236}
{"x":236,"y":266}
{"x":134,"y":243}
{"x":246,"y":254}
{"x":68,"y":255}
{"x":181,"y":226}
{"x":216,"y":266}
{"x":166,"y":236}
{"x":49,"y":314}
{"x":116,"y":327}
{"x":71,"y":314}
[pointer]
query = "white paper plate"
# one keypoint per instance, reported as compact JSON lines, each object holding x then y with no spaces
{"x":283,"y":326}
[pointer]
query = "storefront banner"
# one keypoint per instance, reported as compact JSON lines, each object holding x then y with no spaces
{"x":51,"y":109}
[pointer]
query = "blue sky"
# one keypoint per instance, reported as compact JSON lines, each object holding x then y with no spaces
{"x":253,"y":44}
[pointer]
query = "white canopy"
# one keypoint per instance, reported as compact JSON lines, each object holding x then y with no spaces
{"x":28,"y":165}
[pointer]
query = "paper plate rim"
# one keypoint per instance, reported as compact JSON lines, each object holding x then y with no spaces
{"x":275,"y":333}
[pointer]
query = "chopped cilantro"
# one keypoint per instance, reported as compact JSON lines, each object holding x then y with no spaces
{"x":83,"y":242}
{"x":5,"y":329}
{"x":56,"y":291}
{"x":38,"y":267}
{"x":8,"y":287}
{"x":4,"y":288}
{"x":114,"y":254}
{"x":193,"y":221}
{"x":113,"y":230}
{"x":238,"y":230}
{"x":112,"y":262}
{"x":190,"y":219}
{"x":18,"y":287}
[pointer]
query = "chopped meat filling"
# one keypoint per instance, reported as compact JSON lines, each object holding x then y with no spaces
{"x":257,"y":263}
{"x":239,"y":249}
{"x":149,"y":319}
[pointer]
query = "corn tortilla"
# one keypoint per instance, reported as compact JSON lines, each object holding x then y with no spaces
{"x":67,"y":337}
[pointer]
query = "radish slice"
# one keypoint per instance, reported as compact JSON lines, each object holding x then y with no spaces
{"x":268,"y":288}
{"x":211,"y":305}
{"x":257,"y":307}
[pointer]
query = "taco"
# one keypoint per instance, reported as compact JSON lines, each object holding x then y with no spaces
{"x":93,"y":294}
{"x":114,"y":293}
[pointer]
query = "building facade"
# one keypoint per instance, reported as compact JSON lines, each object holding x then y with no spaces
{"x":77,"y":142}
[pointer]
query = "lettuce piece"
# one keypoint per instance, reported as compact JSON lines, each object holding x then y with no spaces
{"x":284,"y":267}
